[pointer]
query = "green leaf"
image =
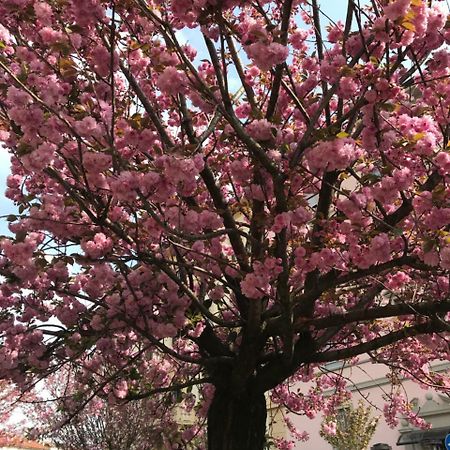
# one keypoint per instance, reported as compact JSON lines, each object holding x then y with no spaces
{"x":397,"y":231}
{"x":134,"y":374}
{"x":390,"y":107}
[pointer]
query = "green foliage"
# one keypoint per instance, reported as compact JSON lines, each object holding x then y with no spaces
{"x":352,"y":428}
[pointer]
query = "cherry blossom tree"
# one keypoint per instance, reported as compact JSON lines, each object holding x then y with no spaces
{"x":16,"y":411}
{"x":220,"y":219}
{"x":8,"y":405}
{"x":145,"y":424}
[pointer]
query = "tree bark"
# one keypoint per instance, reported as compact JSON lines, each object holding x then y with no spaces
{"x":237,"y":421}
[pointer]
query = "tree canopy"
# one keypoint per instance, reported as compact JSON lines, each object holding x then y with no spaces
{"x":231,"y":213}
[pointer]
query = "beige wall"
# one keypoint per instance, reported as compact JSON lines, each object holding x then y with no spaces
{"x":369,"y":381}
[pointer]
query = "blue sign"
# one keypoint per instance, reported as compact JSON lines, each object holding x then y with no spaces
{"x":447,"y":442}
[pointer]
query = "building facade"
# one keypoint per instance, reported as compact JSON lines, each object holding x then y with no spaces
{"x":371,"y":383}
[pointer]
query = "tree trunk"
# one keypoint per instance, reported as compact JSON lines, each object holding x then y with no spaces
{"x":237,"y":422}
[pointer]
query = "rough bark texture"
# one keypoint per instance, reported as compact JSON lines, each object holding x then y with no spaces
{"x":237,"y":422}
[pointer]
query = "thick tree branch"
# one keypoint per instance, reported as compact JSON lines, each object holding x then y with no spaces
{"x":425,"y":309}
{"x":377,"y":343}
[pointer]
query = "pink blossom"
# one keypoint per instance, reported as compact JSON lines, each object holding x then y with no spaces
{"x":252,"y":30}
{"x":40,"y":158}
{"x":97,"y":162}
{"x":43,"y":12}
{"x":442,"y":161}
{"x":398,"y":280}
{"x":281,"y":222}
{"x":330,"y":428}
{"x":17,"y":97}
{"x":333,"y":155}
{"x":87,"y":126}
{"x":396,"y":9}
{"x":445,"y":257}
{"x":284,"y":444}
{"x":266,"y":56}
{"x":380,"y":248}
{"x":50,"y":36}
{"x":331,"y":66}
{"x":172,"y":81}
{"x":335,"y":31}
{"x":431,"y":258}
{"x":261,"y":130}
{"x":121,"y":389}
{"x":256,"y":284}
{"x":298,"y":39}
{"x":98,"y":246}
{"x":300,"y":216}
{"x":348,"y":87}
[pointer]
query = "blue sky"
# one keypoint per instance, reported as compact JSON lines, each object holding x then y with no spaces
{"x":6,"y":206}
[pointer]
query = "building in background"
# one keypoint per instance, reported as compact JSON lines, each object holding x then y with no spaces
{"x":370,"y":382}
